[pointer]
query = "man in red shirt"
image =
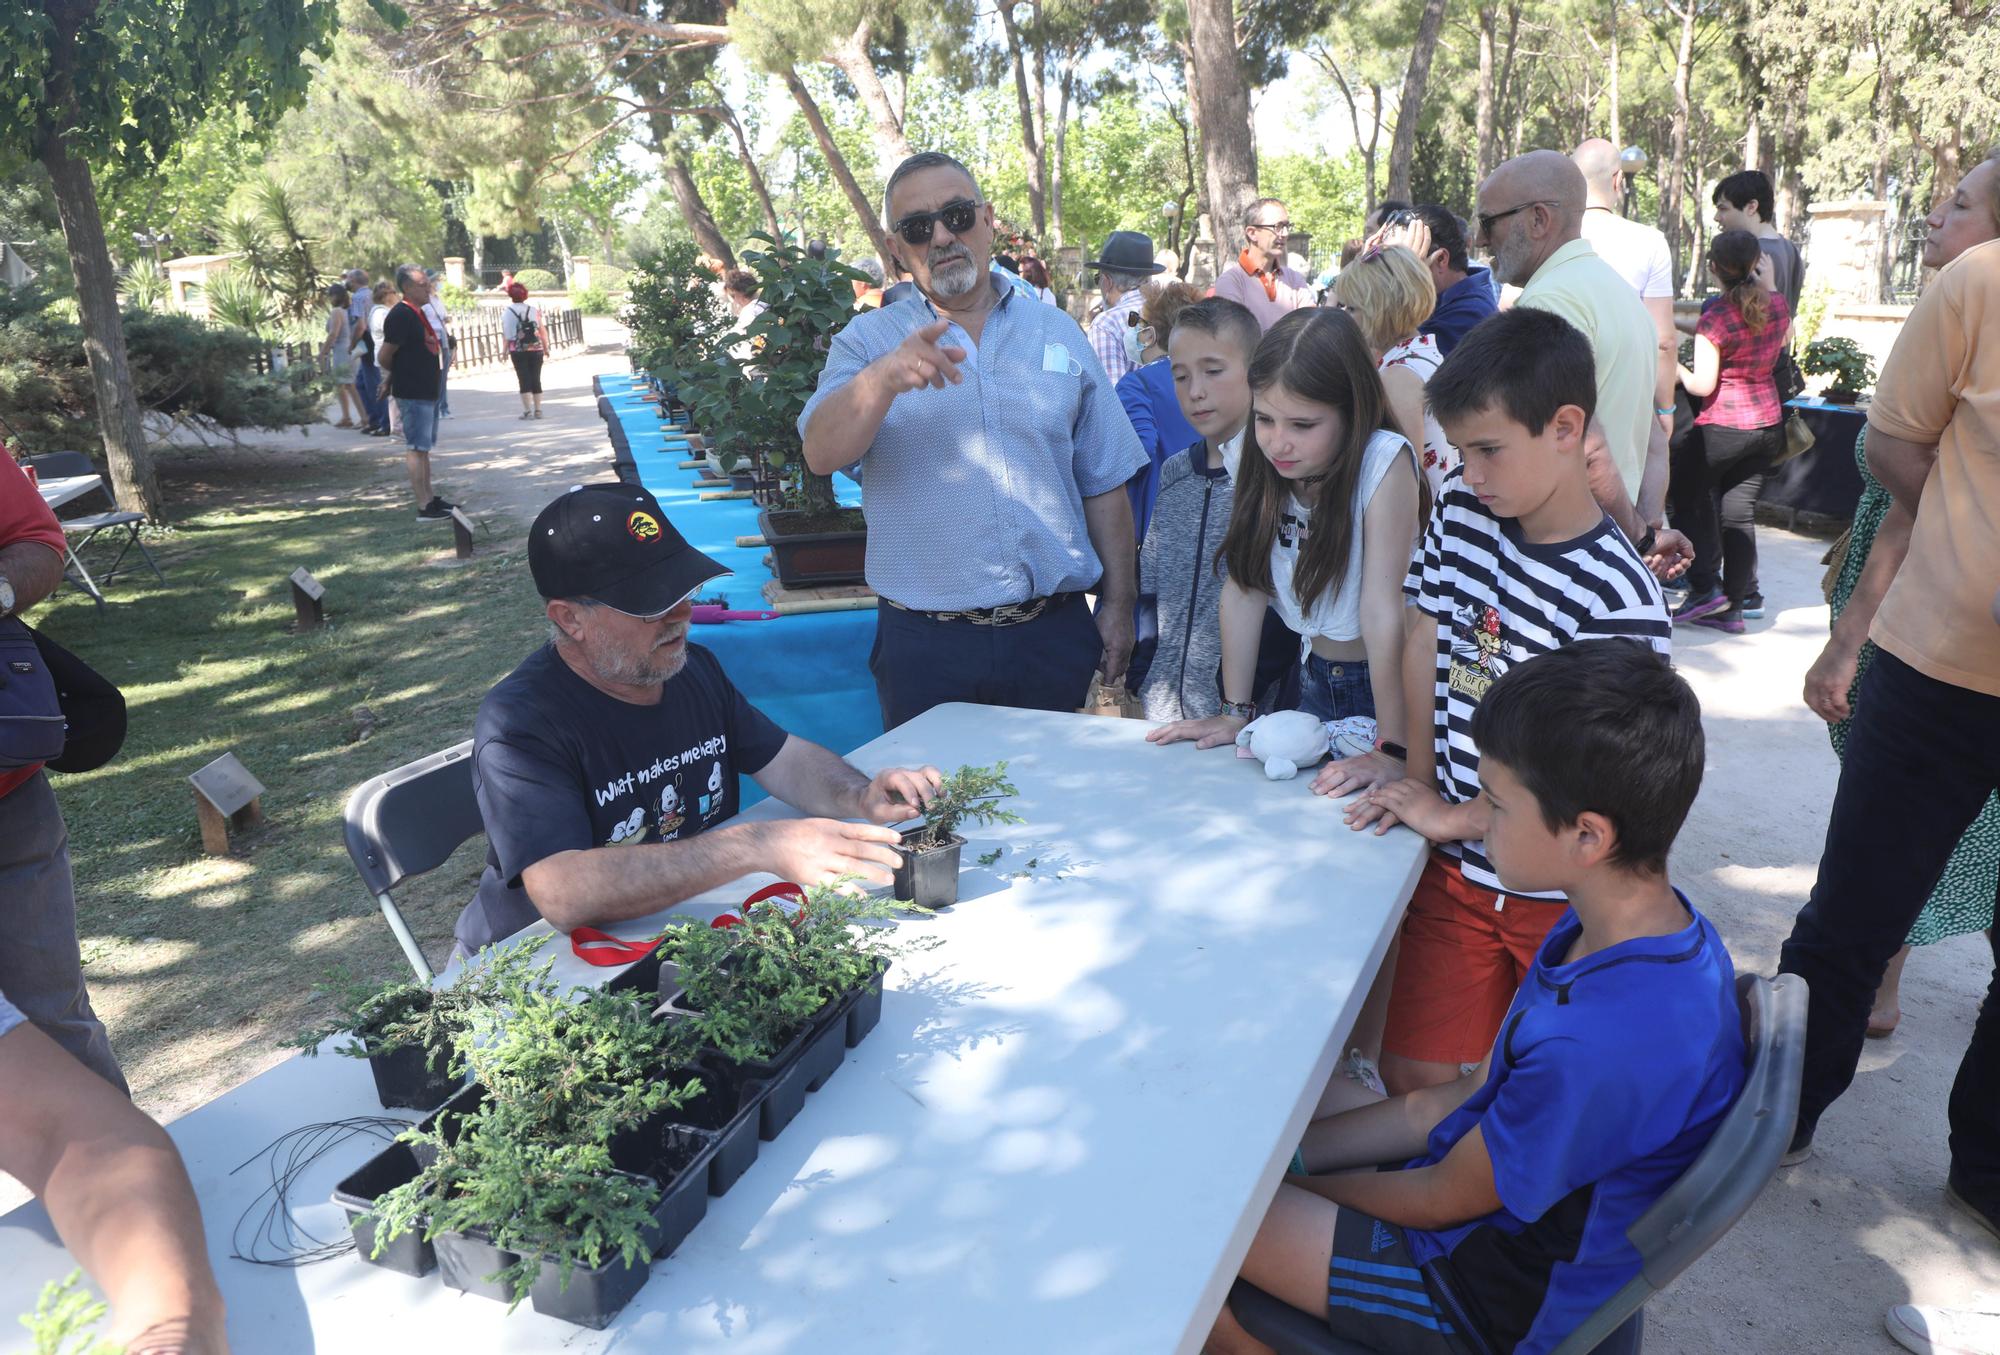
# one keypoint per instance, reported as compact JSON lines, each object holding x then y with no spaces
{"x":41,"y":967}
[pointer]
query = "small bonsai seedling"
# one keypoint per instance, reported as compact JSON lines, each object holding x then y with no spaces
{"x":66,"y":1318}
{"x":968,"y":795}
{"x":384,"y":1017}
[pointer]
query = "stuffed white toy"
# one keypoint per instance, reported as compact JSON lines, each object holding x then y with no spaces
{"x":1284,"y":741}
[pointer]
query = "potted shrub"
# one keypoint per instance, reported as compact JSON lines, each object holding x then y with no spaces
{"x":1850,"y":370}
{"x":928,"y":876}
{"x":674,"y":316}
{"x":813,"y":540}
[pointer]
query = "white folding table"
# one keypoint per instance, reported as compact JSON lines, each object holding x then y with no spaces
{"x":1061,"y":1136}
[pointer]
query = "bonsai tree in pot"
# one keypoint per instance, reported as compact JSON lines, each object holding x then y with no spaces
{"x":1851,"y":370}
{"x":673,"y":314}
{"x":929,"y":873}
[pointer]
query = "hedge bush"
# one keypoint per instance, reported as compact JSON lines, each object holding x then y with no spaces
{"x":537,"y":280}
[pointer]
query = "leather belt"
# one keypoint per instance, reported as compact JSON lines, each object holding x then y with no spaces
{"x":1007,"y":614}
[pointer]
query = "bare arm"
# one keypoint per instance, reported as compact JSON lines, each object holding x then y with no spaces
{"x":1701,"y":381}
{"x":1652,"y":505}
{"x":1661,"y":308}
{"x":1389,"y":1130}
{"x":117,"y":1192}
{"x":1607,"y":486}
{"x":1108,"y":519}
{"x":1456,"y":1190}
{"x":1832,"y":674}
{"x":33,"y":570}
{"x":1406,"y":403}
{"x":1240,"y":623}
{"x":1420,"y":640}
{"x":1388,"y":531}
{"x":1902,"y":466}
{"x":819,"y":781}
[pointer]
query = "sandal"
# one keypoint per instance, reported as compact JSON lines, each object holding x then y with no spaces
{"x":345,"y":423}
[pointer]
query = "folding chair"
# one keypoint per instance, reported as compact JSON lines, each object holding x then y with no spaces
{"x":61,"y":465}
{"x":406,"y":822}
{"x":1715,"y":1191}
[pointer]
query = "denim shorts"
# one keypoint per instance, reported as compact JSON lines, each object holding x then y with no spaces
{"x":1334,"y":691}
{"x":420,"y":423}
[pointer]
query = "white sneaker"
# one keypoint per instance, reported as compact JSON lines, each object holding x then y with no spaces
{"x":1944,"y":1331}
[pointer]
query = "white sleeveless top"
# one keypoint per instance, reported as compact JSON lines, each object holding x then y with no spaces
{"x":1334,"y":615}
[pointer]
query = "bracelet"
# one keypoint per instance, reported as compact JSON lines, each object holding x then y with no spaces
{"x":1240,"y":710}
{"x":1667,"y":409}
{"x":1394,"y":750}
{"x":1646,"y":542}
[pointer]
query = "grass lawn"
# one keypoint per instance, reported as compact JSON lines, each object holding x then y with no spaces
{"x":202,"y":966}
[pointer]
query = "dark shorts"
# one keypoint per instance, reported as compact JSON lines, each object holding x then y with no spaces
{"x":1335,"y":691}
{"x":1376,"y":1295}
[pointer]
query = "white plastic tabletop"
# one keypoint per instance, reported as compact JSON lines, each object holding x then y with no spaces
{"x":65,"y":489}
{"x":1060,"y":1137}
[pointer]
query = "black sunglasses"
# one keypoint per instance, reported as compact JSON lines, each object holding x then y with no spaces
{"x":957,"y":217}
{"x":1486,"y":222}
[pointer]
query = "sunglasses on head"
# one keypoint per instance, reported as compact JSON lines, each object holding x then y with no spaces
{"x":957,"y":216}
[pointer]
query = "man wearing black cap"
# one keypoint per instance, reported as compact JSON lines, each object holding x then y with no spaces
{"x":1122,"y":270}
{"x":606,"y":763}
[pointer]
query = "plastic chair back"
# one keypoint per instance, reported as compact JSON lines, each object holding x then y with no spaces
{"x":409,"y":821}
{"x":61,"y":465}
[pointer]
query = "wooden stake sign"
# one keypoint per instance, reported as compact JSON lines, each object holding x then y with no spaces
{"x":306,"y":595}
{"x":226,"y":796}
{"x":461,"y":533}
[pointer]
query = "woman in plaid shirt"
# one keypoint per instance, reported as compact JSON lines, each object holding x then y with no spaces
{"x":1739,"y":427}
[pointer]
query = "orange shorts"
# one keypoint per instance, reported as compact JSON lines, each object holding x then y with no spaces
{"x":1461,"y":963}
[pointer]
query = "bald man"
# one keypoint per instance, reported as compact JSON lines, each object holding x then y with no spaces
{"x":1530,"y":219}
{"x":1636,"y":252}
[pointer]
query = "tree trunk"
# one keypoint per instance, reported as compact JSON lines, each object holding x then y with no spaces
{"x":133,"y":481}
{"x":1482,"y":121}
{"x":1617,"y":105}
{"x":1371,"y":153}
{"x":850,"y":54}
{"x":1674,"y":197}
{"x":478,"y":261}
{"x":836,"y":162}
{"x":1410,"y":112}
{"x":750,"y":170}
{"x":694,"y":211}
{"x":1059,"y":162}
{"x":1031,"y":130}
{"x":562,"y":251}
{"x":1222,"y":115}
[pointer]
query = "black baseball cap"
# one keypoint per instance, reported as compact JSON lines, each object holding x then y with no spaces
{"x":613,"y":544}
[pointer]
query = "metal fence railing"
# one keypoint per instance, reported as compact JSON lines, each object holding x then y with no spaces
{"x":477,"y":337}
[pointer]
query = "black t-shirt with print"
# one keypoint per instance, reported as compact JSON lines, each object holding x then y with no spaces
{"x":560,"y":766}
{"x":413,"y":371}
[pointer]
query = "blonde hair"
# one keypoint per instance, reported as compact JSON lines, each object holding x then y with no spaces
{"x":1389,"y":293}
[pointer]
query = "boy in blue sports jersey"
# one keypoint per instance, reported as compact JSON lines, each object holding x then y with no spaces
{"x":1504,"y":1225}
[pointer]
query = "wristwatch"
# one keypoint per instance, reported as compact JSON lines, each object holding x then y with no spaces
{"x":1240,"y":710}
{"x":7,"y":598}
{"x":1646,"y":542}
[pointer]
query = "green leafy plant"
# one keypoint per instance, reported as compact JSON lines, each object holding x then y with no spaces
{"x":591,"y":300}
{"x":537,"y":279}
{"x":142,"y":286}
{"x":676,"y":323}
{"x":970,"y":794}
{"x":456,"y":297}
{"x":235,"y":298}
{"x":531,"y":1168}
{"x":1851,"y":369}
{"x":64,"y":1318}
{"x":385,"y":1016}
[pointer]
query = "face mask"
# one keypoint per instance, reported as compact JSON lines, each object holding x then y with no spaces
{"x":1132,"y":349}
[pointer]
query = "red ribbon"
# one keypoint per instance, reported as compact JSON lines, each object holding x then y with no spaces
{"x":602,"y":949}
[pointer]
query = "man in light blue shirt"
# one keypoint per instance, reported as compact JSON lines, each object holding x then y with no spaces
{"x":993,"y":456}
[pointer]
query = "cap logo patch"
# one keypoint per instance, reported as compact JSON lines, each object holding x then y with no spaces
{"x":643,"y":526}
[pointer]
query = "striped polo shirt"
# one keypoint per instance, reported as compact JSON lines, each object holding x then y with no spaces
{"x":1503,"y":600}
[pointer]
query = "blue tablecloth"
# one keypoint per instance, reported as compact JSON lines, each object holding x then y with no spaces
{"x":807,"y":672}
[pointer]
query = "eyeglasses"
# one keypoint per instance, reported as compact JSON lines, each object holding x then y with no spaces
{"x":1486,"y":222}
{"x":957,"y":217}
{"x":1281,"y":227}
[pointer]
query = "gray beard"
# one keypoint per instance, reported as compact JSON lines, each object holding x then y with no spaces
{"x":955,"y":278}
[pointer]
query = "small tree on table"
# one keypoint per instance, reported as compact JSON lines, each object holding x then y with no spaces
{"x":970,"y":794}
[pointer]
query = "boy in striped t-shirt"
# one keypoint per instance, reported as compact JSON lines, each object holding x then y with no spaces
{"x":1518,"y":560}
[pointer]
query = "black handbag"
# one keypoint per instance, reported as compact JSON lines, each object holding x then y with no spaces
{"x":32,"y":727}
{"x":92,"y":706}
{"x":1785,"y":371}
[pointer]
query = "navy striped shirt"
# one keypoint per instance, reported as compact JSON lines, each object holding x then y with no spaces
{"x":1500,"y":600}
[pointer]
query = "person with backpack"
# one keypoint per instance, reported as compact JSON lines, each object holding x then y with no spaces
{"x":521,"y":325}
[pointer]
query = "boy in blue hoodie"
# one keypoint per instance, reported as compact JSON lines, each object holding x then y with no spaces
{"x":1504,"y":1226}
{"x":1209,"y":352}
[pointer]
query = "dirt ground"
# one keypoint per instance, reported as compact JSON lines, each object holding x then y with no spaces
{"x":1831,"y":1245}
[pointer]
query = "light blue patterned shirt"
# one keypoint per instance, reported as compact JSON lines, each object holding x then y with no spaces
{"x":10,"y":1015}
{"x":974,"y":493}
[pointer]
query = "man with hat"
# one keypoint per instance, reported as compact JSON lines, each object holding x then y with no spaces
{"x":1260,"y":278}
{"x":993,"y":455}
{"x":606,"y":764}
{"x":1122,"y":271}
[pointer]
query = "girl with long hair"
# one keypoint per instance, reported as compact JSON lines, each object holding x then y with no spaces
{"x":1328,"y":503}
{"x":1739,"y":428}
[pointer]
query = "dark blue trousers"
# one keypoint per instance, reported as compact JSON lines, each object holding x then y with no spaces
{"x":368,"y":385}
{"x":1044,"y":664}
{"x":1921,"y":760}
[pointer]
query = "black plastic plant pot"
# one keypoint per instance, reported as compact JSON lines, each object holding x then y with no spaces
{"x":826,"y":1045}
{"x":782,"y":1077}
{"x":466,"y":1259}
{"x":866,"y":1012}
{"x":596,"y":1294}
{"x":928,"y":879}
{"x":407,"y":1253}
{"x":409,"y":1077}
{"x":732,"y":1118}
